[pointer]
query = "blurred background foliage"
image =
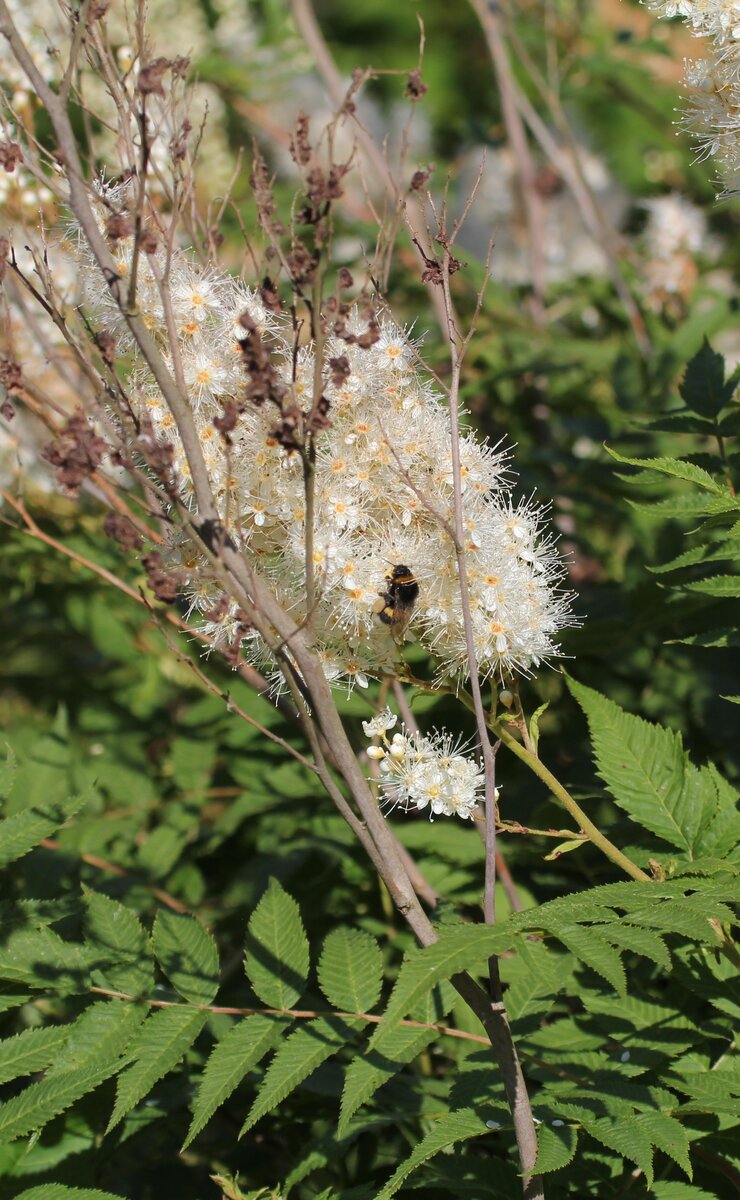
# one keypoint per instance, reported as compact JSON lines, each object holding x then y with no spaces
{"x":187,"y":799}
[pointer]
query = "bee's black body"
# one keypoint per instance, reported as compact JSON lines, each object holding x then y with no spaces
{"x":397,"y":601}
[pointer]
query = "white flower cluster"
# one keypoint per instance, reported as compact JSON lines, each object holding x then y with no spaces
{"x":713,"y":83}
{"x":419,"y":771}
{"x":675,"y":232}
{"x":383,"y":485}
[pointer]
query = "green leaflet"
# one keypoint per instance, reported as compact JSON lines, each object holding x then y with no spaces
{"x":42,"y":959}
{"x":230,"y":1060}
{"x":448,"y":1129}
{"x":667,"y":1135}
{"x":165,"y":1038}
{"x":628,"y":1139}
{"x":277,"y":949}
{"x":721,"y":586}
{"x":30,"y":1051}
{"x":647,"y":772}
{"x":459,"y":948}
{"x":679,"y":469}
{"x":58,"y":1191}
{"x":556,"y":1147}
{"x":535,"y":976}
{"x":592,"y":949}
{"x":41,"y":1102}
{"x":641,"y":941}
{"x":351,"y":970}
{"x":104,"y":1030}
{"x":187,"y":954}
{"x":21,"y":833}
{"x":367,"y":1072}
{"x":305,"y":1049}
{"x":119,"y":946}
{"x":704,"y":389}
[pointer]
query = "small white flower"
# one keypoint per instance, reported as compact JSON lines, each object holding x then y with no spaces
{"x":384,"y":721}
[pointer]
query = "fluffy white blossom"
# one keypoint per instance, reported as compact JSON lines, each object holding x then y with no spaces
{"x":425,"y":771}
{"x":383,"y":486}
{"x":713,"y":83}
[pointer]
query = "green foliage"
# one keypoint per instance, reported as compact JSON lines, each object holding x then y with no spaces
{"x":622,"y":995}
{"x":277,"y":953}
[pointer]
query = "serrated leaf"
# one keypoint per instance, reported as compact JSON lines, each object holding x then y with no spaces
{"x":229,"y":1061}
{"x":41,"y":958}
{"x":447,"y":1130}
{"x":459,"y":948}
{"x":642,"y":941}
{"x":166,"y":1037}
{"x":678,"y":916}
{"x":351,"y":970}
{"x":679,"y":469}
{"x":277,"y":949}
{"x":723,"y":587}
{"x":535,"y":974}
{"x":119,"y":946}
{"x":646,"y":770}
{"x":703,"y":388}
{"x":699,"y":554}
{"x":304,"y":1050}
{"x":367,"y":1072}
{"x":22,"y":832}
{"x":624,"y":1136}
{"x":102,"y":1033}
{"x":187,"y":954}
{"x":667,"y":1135}
{"x":556,"y":1147}
{"x":30,"y":1051}
{"x":59,"y":1191}
{"x":588,"y":945}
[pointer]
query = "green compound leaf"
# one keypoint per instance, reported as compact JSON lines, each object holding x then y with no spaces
{"x":448,"y":1129}
{"x":166,"y":1037}
{"x":647,"y":771}
{"x":30,"y":1051}
{"x":119,"y":946}
{"x":351,"y":970}
{"x":277,"y":949}
{"x":59,"y":1191}
{"x":459,"y":948}
{"x":367,"y":1072}
{"x":21,"y":833}
{"x":304,"y":1051}
{"x":187,"y":954}
{"x":556,"y":1147}
{"x":229,"y":1062}
{"x":667,"y":1135}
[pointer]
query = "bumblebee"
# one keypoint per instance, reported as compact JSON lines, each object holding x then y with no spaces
{"x":396,"y":603}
